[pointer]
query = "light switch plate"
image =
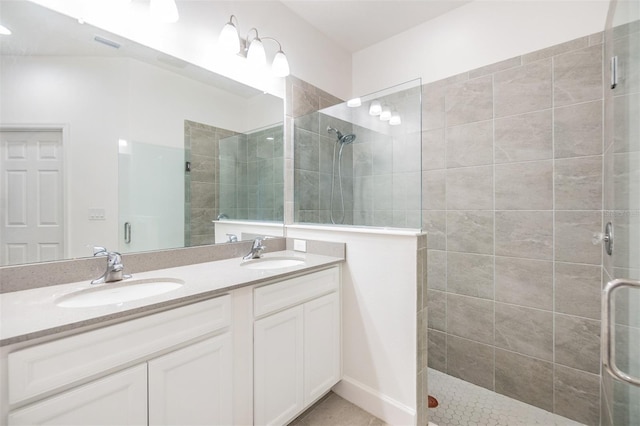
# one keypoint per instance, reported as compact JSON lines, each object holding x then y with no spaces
{"x":97,"y":214}
{"x":300,"y":245}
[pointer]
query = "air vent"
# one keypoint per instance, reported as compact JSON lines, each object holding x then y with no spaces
{"x":107,"y":42}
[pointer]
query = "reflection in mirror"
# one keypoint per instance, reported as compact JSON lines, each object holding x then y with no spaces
{"x":356,"y":166}
{"x":97,"y":136}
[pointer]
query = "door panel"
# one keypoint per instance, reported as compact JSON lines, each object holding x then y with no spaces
{"x":621,"y":399}
{"x":31,"y":197}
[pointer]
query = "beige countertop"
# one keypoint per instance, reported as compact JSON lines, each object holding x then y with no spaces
{"x":31,"y":314}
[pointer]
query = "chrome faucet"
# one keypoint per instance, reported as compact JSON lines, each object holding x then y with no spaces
{"x":114,"y":266}
{"x":256,"y":250}
{"x":232,"y":238}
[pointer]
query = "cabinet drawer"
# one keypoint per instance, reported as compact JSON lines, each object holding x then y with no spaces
{"x":46,"y":367}
{"x":273,"y":297}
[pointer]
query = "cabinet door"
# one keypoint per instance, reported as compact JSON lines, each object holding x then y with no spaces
{"x":118,"y":399}
{"x":278,"y":387}
{"x":193,"y":385}
{"x":321,"y":346}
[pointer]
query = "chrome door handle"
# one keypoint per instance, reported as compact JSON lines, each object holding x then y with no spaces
{"x":608,"y":335}
{"x":127,"y":232}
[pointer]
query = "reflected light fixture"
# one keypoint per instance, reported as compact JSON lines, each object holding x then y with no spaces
{"x":385,"y":114}
{"x":395,"y":119}
{"x":354,"y":103}
{"x":231,"y":43}
{"x":4,"y":30}
{"x":164,"y":10}
{"x":375,"y":108}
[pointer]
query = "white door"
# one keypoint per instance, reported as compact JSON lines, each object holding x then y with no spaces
{"x":321,"y":346}
{"x":193,"y":385}
{"x":278,"y":370}
{"x":118,"y":399}
{"x":31,"y":197}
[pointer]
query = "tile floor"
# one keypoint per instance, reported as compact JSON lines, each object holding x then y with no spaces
{"x":336,"y":411}
{"x":461,"y":404}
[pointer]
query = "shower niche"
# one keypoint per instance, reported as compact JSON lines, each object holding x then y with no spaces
{"x":358,"y":163}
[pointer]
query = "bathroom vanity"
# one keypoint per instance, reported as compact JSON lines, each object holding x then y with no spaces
{"x":232,"y":345}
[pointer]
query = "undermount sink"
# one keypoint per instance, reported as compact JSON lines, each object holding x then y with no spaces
{"x":119,"y":292}
{"x":272,"y":262}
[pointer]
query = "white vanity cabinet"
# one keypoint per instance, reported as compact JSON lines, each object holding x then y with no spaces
{"x":193,"y":385}
{"x":297,"y":344}
{"x":118,"y":399}
{"x":174,"y":365}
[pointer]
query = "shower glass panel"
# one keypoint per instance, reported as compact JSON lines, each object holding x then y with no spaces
{"x":252,"y":175}
{"x":151,"y":197}
{"x":621,"y":400}
{"x":360,"y":165}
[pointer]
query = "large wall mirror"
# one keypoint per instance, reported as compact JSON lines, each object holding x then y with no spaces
{"x":107,"y":142}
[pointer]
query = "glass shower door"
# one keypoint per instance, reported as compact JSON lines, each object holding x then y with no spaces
{"x":621,"y":397}
{"x":151,"y":197}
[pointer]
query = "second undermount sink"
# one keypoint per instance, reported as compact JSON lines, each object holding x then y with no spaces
{"x":272,"y":262}
{"x":119,"y":292}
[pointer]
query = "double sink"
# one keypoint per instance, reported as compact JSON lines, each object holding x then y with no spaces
{"x":135,"y":289}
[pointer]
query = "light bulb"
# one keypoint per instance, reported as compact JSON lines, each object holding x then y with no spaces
{"x":164,"y":10}
{"x":280,"y":66}
{"x":256,"y":54}
{"x":229,"y":40}
{"x":385,"y":114}
{"x":354,"y":103}
{"x":375,"y":108}
{"x":4,"y":30}
{"x":395,"y":119}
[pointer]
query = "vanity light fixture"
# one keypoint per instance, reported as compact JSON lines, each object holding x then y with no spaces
{"x":4,"y":30}
{"x":395,"y":119}
{"x":164,"y":10}
{"x":255,"y":53}
{"x":385,"y":114}
{"x":229,"y":39}
{"x":375,"y":108}
{"x":231,"y":42}
{"x":354,"y":103}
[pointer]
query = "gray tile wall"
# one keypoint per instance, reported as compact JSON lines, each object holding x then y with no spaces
{"x":301,"y":98}
{"x":422,"y":388}
{"x":512,"y":193}
{"x":252,"y":175}
{"x":313,"y":162}
{"x":381,"y":174}
{"x":201,"y":191}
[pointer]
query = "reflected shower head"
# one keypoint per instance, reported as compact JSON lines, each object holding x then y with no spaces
{"x":343,"y":139}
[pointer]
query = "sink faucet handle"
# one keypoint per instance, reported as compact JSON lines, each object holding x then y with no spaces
{"x":99,"y":251}
{"x":114,"y":258}
{"x":257,"y":244}
{"x":256,"y":249}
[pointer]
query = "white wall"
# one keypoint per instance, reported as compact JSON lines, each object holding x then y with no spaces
{"x":477,"y":34}
{"x":378,"y":319}
{"x":312,"y":56}
{"x":103,"y":100}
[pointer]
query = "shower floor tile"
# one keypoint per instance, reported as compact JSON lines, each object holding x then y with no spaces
{"x":462,"y":403}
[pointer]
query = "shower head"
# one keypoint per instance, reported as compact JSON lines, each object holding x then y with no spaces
{"x":343,"y":139}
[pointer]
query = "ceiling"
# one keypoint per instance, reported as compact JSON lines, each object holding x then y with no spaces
{"x":357,"y":24}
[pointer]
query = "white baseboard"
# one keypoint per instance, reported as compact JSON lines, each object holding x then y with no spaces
{"x":385,"y":408}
